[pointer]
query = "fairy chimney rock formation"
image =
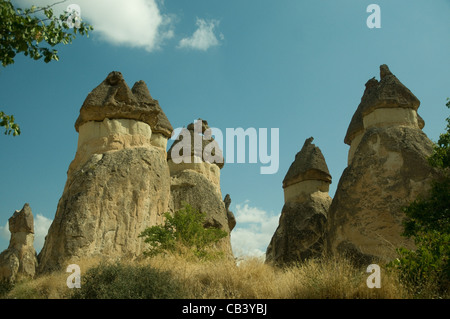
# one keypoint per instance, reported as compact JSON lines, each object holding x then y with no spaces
{"x":195,"y":160}
{"x":119,"y":182}
{"x":307,"y":174}
{"x":301,"y":230}
{"x":387,"y":169}
{"x":384,"y":103}
{"x":114,"y":117}
{"x":19,"y":259}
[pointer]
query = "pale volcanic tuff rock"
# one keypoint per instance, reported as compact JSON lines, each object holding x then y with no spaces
{"x":119,"y":182}
{"x":19,"y":259}
{"x":301,"y":231}
{"x":387,"y":169}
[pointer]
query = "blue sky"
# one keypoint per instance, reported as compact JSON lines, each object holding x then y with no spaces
{"x":299,"y":66}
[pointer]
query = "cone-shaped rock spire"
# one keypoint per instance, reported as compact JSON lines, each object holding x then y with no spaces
{"x":301,"y":228}
{"x":389,"y":92}
{"x":309,"y":164}
{"x":387,"y":169}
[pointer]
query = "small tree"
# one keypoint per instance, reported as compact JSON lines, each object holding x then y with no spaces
{"x":428,"y":222}
{"x":182,"y":229}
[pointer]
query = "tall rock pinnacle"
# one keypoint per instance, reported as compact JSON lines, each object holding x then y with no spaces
{"x":118,"y":183}
{"x":301,"y":230}
{"x":387,"y":169}
{"x":19,"y":259}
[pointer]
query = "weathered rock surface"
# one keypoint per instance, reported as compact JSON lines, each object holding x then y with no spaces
{"x":195,"y":189}
{"x":230,"y":215}
{"x":19,"y":259}
{"x":387,"y":170}
{"x":301,"y":230}
{"x":119,"y":182}
{"x":384,"y":103}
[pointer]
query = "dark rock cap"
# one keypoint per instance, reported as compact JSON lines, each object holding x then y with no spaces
{"x":113,"y":99}
{"x":309,"y":164}
{"x":389,"y":92}
{"x":22,"y":221}
{"x":215,"y":149}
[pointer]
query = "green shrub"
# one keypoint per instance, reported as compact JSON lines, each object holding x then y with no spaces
{"x":184,"y":228}
{"x":5,"y":287}
{"x":426,"y":270}
{"x":120,"y":281}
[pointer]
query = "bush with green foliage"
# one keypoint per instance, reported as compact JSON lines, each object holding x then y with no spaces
{"x":185,"y":228}
{"x":121,"y":281}
{"x":428,"y":222}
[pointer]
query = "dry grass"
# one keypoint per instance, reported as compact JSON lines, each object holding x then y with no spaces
{"x":251,"y":279}
{"x":48,"y":286}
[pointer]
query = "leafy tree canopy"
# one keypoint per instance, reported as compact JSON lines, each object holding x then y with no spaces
{"x":184,"y":228}
{"x":35,"y":32}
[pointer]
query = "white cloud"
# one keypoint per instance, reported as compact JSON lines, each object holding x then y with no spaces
{"x":4,"y":232}
{"x":203,"y":38}
{"x":41,"y":226}
{"x":135,"y":23}
{"x":253,"y":231}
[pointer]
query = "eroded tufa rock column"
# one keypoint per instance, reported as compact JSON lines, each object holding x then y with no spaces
{"x":119,"y":182}
{"x":19,"y":259}
{"x":387,"y":169}
{"x":195,"y":160}
{"x":301,"y":230}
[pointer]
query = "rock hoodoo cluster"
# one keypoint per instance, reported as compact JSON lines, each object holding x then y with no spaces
{"x":19,"y":259}
{"x":387,"y":169}
{"x":302,"y":225}
{"x":120,"y":181}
